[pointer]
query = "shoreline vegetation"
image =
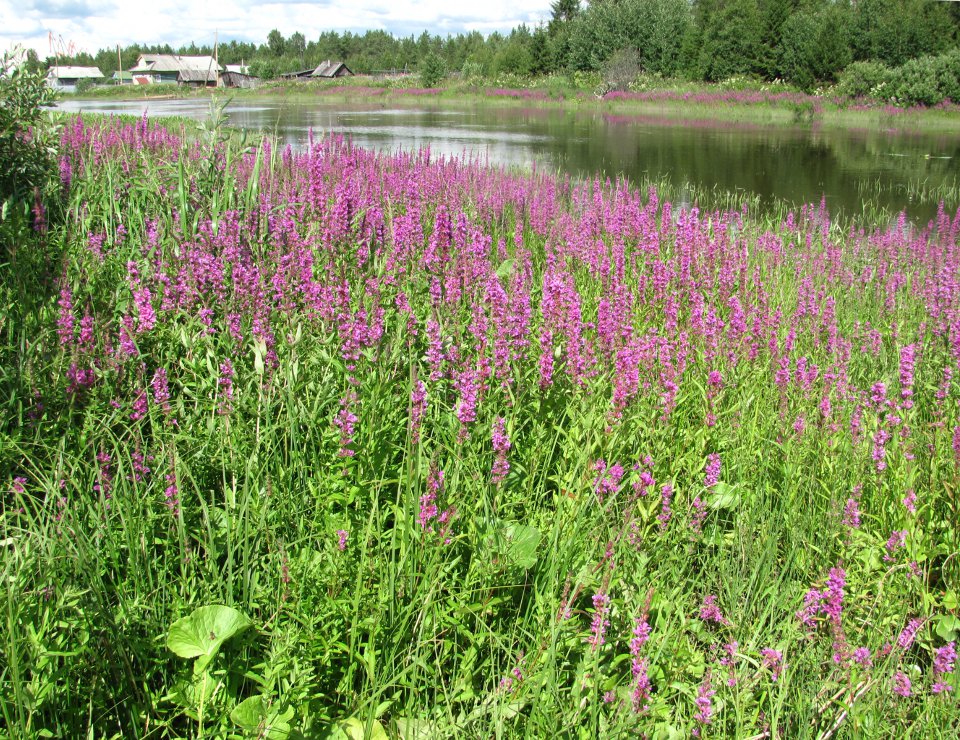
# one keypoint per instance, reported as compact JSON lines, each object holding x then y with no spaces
{"x":352,"y":444}
{"x":735,"y":101}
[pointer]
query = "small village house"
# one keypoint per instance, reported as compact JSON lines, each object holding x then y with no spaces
{"x":330,"y":70}
{"x":327,"y":70}
{"x":65,"y":79}
{"x":173,"y":68}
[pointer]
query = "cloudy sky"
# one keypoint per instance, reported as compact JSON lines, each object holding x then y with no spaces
{"x":94,"y":24}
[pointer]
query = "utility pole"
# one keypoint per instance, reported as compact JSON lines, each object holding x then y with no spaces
{"x":119,"y":67}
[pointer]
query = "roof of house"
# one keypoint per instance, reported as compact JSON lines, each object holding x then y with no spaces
{"x":197,"y":75}
{"x":243,"y":69}
{"x":298,"y":73}
{"x":329,"y":69}
{"x":173,"y":63}
{"x":123,"y":75}
{"x":74,"y":73}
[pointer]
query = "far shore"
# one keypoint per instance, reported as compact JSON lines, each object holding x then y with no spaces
{"x":751,"y":103}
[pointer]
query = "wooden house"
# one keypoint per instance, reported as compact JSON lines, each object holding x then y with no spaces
{"x":330,"y":70}
{"x":65,"y":78}
{"x":173,"y":68}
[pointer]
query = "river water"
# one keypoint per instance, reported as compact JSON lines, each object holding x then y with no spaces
{"x":797,"y":164}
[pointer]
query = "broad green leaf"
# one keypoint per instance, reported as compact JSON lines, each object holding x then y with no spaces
{"x":201,"y":634}
{"x":356,"y":729}
{"x":416,"y":729}
{"x":505,"y":269}
{"x":523,"y":541}
{"x":249,"y":713}
{"x":724,"y":496}
{"x":948,"y":627}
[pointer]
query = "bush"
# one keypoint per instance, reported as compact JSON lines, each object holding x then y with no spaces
{"x":864,"y":79}
{"x":947,"y":71}
{"x":433,"y":72}
{"x":915,"y":83}
{"x":622,"y":69}
{"x":26,"y":142}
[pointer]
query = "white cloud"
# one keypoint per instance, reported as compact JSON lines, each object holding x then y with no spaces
{"x":89,"y":25}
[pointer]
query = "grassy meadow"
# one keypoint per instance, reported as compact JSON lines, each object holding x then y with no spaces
{"x":345,"y":444}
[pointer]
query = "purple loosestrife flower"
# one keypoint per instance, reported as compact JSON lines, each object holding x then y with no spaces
{"x":127,"y":331}
{"x":65,"y":322}
{"x":342,"y":536}
{"x":171,"y":494}
{"x":699,"y":514}
{"x":828,"y":602}
{"x":897,"y":539}
{"x":907,"y":365}
{"x":18,"y":485}
{"x":712,"y":470}
{"x":598,"y":627}
{"x":139,"y":406}
{"x":418,"y":407}
{"x":772,"y":659}
{"x":641,"y":685}
{"x":666,"y":497}
{"x":901,"y":685}
{"x":428,"y":501}
{"x":729,"y":661}
{"x":851,"y":514}
{"x":944,"y":660}
{"x":225,"y":386}
{"x":608,"y":479}
{"x":910,"y":501}
{"x":146,"y":316}
{"x":704,"y":715}
{"x":710,"y":612}
{"x":909,"y":634}
{"x":346,"y":422}
{"x":501,"y":446}
{"x":161,"y":391}
{"x":468,"y":384}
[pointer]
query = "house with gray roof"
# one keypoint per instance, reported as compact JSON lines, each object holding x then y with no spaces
{"x":65,"y":78}
{"x":183,"y":70}
{"x":329,"y":70}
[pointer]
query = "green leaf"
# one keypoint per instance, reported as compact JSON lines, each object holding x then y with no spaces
{"x":505,"y":269}
{"x":356,"y":729}
{"x":416,"y":729}
{"x":724,"y":496}
{"x":523,"y":542}
{"x":201,"y":634}
{"x":249,"y":713}
{"x":948,"y":627}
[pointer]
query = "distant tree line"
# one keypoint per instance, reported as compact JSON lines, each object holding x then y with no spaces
{"x":805,"y":42}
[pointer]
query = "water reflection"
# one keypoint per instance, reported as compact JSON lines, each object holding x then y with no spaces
{"x":797,"y":164}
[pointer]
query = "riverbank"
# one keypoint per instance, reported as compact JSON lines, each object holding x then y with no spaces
{"x":743,"y":102}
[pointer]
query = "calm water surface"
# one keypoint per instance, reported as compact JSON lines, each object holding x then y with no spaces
{"x":798,"y":164}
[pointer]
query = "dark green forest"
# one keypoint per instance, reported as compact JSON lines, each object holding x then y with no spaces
{"x":804,"y":42}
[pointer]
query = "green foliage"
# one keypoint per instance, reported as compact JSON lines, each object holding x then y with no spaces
{"x":276,"y":43}
{"x":864,"y":79}
{"x":201,"y":634}
{"x":731,"y":41}
{"x":433,"y":71}
{"x":655,"y":29}
{"x":915,"y":83}
{"x":814,"y":47}
{"x":27,"y":144}
{"x":894,"y":31}
{"x":927,"y":80}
